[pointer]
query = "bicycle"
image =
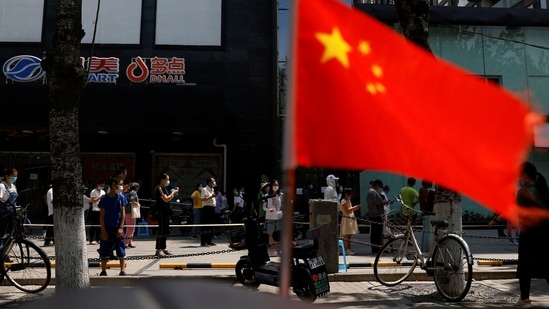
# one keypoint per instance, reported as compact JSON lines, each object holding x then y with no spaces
{"x":27,"y":224}
{"x":449,"y":259}
{"x":25,"y":264}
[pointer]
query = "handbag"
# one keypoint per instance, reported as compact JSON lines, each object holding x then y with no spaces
{"x":136,"y":210}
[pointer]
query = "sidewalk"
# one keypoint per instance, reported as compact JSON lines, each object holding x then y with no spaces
{"x":493,"y":287}
{"x":192,"y":260}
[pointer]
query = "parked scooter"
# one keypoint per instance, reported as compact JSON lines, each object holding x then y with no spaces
{"x":309,"y":279}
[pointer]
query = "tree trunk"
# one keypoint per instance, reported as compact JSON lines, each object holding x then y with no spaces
{"x":413,"y":16}
{"x":66,"y":79}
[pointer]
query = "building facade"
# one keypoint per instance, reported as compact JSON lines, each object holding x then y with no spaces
{"x":178,"y":86}
{"x":503,"y":41}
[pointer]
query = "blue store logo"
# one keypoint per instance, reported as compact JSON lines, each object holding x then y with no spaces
{"x":23,"y":68}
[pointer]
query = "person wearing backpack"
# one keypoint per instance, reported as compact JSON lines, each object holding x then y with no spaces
{"x":132,"y":213}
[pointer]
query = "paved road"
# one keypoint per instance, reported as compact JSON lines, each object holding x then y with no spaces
{"x":367,"y":294}
{"x":353,"y":289}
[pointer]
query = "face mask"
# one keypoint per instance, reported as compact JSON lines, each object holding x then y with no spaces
{"x":275,"y":188}
{"x":13,"y":179}
{"x":101,"y":188}
{"x":200,"y":188}
{"x":120,"y":189}
{"x":215,"y":184}
{"x":167,"y":183}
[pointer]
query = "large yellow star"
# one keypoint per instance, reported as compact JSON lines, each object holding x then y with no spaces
{"x":334,"y":47}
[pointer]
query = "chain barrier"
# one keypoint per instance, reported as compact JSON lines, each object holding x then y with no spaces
{"x":401,"y":227}
{"x":154,"y":257}
{"x":238,"y":230}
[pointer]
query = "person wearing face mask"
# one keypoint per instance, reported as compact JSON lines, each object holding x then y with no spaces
{"x":163,"y":198}
{"x":8,"y":198}
{"x":273,"y":213}
{"x":111,"y":218}
{"x":208,"y":196}
{"x":331,"y":193}
{"x":93,"y":217}
{"x":132,"y":213}
{"x":197,"y":208}
{"x":239,"y":210}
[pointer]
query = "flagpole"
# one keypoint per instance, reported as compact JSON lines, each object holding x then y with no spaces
{"x":287,"y":233}
{"x":289,"y":164}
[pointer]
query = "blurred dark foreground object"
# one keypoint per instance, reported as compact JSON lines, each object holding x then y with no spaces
{"x":167,"y":293}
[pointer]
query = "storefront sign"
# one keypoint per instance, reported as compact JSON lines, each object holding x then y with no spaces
{"x":23,"y":68}
{"x":101,"y":70}
{"x":156,"y":70}
{"x":104,"y":70}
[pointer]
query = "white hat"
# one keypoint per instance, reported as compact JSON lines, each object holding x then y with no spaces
{"x":331,"y":177}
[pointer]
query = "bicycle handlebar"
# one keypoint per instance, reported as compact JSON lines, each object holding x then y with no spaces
{"x":399,"y":199}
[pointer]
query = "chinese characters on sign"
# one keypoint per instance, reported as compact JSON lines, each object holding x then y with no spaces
{"x":158,"y":70}
{"x":106,"y":70}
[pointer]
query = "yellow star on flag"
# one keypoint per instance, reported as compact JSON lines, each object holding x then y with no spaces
{"x":364,"y":47}
{"x":334,"y":47}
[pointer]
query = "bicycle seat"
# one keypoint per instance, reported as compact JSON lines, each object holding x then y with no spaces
{"x":439,"y":223}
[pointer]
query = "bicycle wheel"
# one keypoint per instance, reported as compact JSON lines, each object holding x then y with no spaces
{"x":452,"y":268}
{"x":27,"y":267}
{"x":395,"y":262}
{"x":245,"y":274}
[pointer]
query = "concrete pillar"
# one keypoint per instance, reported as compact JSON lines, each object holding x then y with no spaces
{"x":323,"y":214}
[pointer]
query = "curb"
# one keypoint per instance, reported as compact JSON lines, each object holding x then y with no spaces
{"x":130,"y":280}
{"x":337,"y":277}
{"x":197,"y":265}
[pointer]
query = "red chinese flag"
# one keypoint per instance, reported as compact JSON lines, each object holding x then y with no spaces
{"x":362,"y":97}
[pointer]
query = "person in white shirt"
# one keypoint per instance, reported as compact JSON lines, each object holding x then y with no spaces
{"x":208,"y":195}
{"x":239,"y":204}
{"x":273,"y":213}
{"x":331,"y":193}
{"x":48,"y":239}
{"x":93,"y":217}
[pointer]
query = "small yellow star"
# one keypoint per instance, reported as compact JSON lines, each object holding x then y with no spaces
{"x":364,"y":47}
{"x":334,"y":47}
{"x":377,"y":71}
{"x":374,"y":88}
